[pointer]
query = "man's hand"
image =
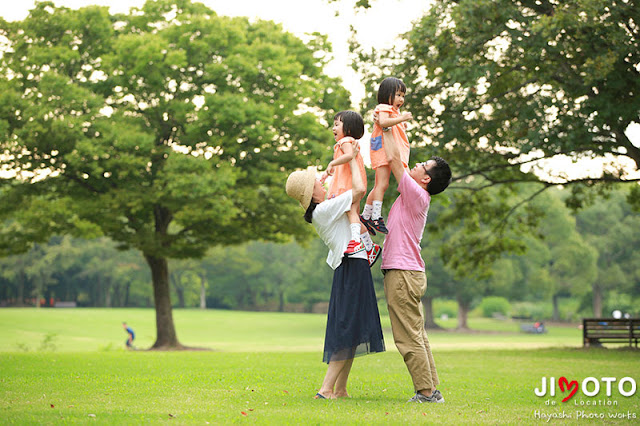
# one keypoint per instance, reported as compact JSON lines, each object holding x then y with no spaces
{"x":356,"y":148}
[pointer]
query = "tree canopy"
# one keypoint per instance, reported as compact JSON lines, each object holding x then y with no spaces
{"x":500,"y":87}
{"x":169,"y":129}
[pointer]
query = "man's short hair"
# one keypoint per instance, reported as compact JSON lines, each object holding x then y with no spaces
{"x":440,"y":176}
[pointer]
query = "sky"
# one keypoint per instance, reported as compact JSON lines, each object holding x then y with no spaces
{"x":374,"y":27}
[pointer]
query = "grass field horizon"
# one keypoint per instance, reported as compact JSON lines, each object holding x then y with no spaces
{"x":100,"y":329}
{"x":70,"y":366}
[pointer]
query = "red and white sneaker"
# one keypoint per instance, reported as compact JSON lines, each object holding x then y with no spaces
{"x":354,"y":247}
{"x":374,"y":254}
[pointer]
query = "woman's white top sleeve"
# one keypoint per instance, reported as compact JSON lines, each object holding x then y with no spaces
{"x":332,"y":224}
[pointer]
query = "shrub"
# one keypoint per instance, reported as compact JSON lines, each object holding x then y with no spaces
{"x":445,"y":307}
{"x":494,"y":305}
{"x":616,"y":301}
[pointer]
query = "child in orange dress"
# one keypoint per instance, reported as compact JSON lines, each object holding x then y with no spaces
{"x":348,"y":127}
{"x":390,"y":98}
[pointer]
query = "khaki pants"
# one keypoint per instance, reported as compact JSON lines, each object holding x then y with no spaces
{"x":403,"y":290}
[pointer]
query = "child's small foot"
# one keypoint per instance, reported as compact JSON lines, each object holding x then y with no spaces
{"x":354,"y":247}
{"x":374,"y":254}
{"x":368,"y":225}
{"x":378,"y":225}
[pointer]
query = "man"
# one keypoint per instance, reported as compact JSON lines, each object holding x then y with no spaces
{"x":405,"y":281}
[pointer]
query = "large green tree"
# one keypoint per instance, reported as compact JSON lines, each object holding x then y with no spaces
{"x":559,"y":262}
{"x":499,"y":87}
{"x":613,"y":230}
{"x":169,"y":129}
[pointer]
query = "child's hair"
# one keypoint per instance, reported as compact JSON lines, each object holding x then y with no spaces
{"x":440,"y":176}
{"x":388,"y":88}
{"x":352,"y":123}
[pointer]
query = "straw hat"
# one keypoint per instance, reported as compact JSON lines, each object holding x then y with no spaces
{"x":300,"y":186}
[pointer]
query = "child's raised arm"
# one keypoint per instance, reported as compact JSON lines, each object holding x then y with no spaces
{"x":386,"y":121}
{"x":349,"y":154}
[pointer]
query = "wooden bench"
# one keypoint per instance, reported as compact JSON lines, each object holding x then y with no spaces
{"x":596,"y":331}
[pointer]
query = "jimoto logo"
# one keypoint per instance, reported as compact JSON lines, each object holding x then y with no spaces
{"x":589,"y":387}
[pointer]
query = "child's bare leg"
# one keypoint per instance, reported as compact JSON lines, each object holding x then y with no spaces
{"x":370,"y":200}
{"x":374,"y":200}
{"x":343,"y":377}
{"x":383,"y":173}
{"x":353,"y":214}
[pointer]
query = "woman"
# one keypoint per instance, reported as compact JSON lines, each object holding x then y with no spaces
{"x":353,"y":321}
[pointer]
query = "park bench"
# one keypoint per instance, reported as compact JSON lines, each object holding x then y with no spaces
{"x":595,"y":331}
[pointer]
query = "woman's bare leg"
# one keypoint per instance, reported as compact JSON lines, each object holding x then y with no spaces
{"x":329,"y":382}
{"x":343,"y":377}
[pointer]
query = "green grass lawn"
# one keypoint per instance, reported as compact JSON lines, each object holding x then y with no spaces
{"x":266,"y":367}
{"x":78,"y":330}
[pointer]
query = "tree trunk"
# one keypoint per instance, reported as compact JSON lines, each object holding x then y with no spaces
{"x":166,"y":331}
{"x":597,"y":301}
{"x":117,"y":295}
{"x":463,"y":311}
{"x":176,"y":279}
{"x":556,"y":310}
{"x":98,"y":293}
{"x":20,"y":296}
{"x":280,"y":300}
{"x":126,"y":295}
{"x":180,"y":294}
{"x":429,"y":321}
{"x":39,"y":286}
{"x":203,"y":292}
{"x":107,"y":294}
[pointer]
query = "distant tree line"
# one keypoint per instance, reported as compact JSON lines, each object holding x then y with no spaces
{"x":590,"y":256}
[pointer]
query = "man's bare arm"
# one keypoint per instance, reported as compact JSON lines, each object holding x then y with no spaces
{"x":393,"y":155}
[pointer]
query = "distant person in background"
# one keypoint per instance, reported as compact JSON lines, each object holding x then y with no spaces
{"x":131,"y":336}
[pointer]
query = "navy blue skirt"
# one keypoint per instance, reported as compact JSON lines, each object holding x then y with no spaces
{"x":353,"y":321}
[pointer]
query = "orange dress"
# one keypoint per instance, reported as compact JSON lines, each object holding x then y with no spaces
{"x":341,"y":181}
{"x":378,"y":156}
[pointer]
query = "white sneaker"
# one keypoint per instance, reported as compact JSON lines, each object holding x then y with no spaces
{"x":420,"y":398}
